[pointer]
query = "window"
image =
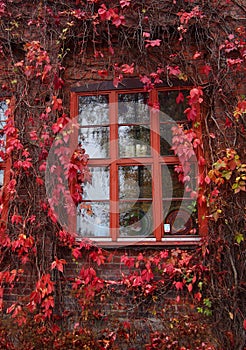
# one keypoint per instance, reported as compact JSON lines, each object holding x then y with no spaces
{"x":134,"y":195}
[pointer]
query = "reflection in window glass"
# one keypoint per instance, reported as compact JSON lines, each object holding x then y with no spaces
{"x":93,"y":110}
{"x":171,"y":186}
{"x":98,"y":189}
{"x":1,"y":177}
{"x":134,"y":141}
{"x":180,"y":216}
{"x":166,"y":136}
{"x":135,"y":182}
{"x":171,"y":110}
{"x":93,"y":219}
{"x":3,"y":108}
{"x":136,"y":219}
{"x":133,"y":108}
{"x":95,"y":141}
{"x":166,"y":139}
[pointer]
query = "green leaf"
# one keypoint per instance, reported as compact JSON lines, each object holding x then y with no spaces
{"x":200,"y":285}
{"x":219,"y":165}
{"x":207,"y":312}
{"x":235,"y":186}
{"x":239,"y":237}
{"x":207,"y":302}
{"x":226,"y":174}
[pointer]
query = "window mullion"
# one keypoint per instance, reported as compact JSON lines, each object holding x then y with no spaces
{"x":156,"y":175}
{"x":113,"y":149}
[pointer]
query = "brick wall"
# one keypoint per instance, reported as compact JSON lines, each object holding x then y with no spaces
{"x":81,"y":69}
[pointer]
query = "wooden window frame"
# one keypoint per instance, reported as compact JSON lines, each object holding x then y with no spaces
{"x":155,"y":160}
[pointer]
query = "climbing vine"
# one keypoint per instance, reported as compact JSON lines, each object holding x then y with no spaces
{"x":47,"y":47}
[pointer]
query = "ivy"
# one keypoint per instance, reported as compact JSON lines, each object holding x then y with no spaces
{"x":172,"y":41}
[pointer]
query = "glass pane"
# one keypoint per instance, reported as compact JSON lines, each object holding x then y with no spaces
{"x":98,"y":189}
{"x":171,"y":186}
{"x":3,"y":108}
{"x":95,"y":141}
{"x":166,"y":139}
{"x":2,"y":147}
{"x":171,"y":110}
{"x":136,"y":219}
{"x":93,"y":219}
{"x":135,"y":182}
{"x":133,"y":108}
{"x":166,"y":136}
{"x":1,"y":177}
{"x":180,"y":217}
{"x":134,"y":141}
{"x":93,"y":110}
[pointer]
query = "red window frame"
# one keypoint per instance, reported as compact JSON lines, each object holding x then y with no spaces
{"x":155,"y":160}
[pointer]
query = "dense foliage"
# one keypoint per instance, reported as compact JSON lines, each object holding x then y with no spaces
{"x":47,"y":46}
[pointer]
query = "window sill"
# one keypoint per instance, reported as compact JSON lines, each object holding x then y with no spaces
{"x":148,"y":242}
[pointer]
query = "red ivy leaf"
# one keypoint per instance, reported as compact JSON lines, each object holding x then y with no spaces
{"x":98,"y":257}
{"x":197,"y":55}
{"x":16,"y":219}
{"x":228,"y":123}
{"x":47,"y":304}
{"x":76,"y":253}
{"x":196,"y":95}
{"x":174,"y":70}
{"x":39,"y":181}
{"x":117,"y":80}
{"x":57,"y":103}
{"x":147,"y":275}
{"x":191,"y":113}
{"x":58,"y":263}
{"x":190,"y":287}
{"x":31,"y":219}
{"x":129,"y":262}
{"x":198,"y":296}
{"x":55,"y":329}
{"x":111,"y":50}
{"x":103,"y":73}
{"x":127,"y":69}
{"x":153,"y":43}
{"x":118,"y":20}
{"x":102,"y":12}
{"x":207,"y":180}
{"x":58,"y":82}
{"x":52,"y":216}
{"x":231,"y":62}
{"x":201,"y":161}
{"x":125,"y":3}
{"x":244,"y":324}
{"x":47,"y":69}
{"x":164,"y":254}
{"x":206,"y":69}
{"x":146,"y":35}
{"x":180,"y":98}
{"x":178,"y":285}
